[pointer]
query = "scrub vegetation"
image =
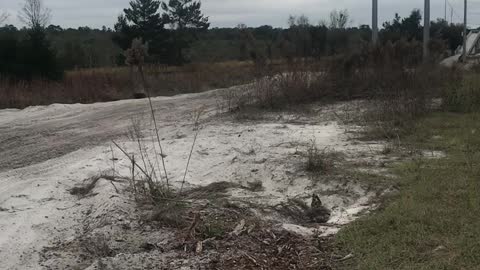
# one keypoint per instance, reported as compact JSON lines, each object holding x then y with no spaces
{"x":423,"y":207}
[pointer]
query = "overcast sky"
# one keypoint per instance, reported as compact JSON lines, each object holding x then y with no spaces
{"x":96,"y":13}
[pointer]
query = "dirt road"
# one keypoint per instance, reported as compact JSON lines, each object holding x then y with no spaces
{"x":41,"y":133}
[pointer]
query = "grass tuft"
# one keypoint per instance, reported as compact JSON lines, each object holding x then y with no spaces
{"x":319,"y":161}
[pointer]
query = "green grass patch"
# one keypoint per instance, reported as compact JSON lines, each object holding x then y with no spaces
{"x":434,"y":221}
{"x":463,"y":96}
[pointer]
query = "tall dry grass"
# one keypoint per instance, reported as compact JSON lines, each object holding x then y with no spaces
{"x":109,"y":84}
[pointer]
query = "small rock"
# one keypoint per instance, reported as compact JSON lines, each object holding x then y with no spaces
{"x":147,"y":246}
{"x":260,"y":161}
{"x":239,"y":228}
{"x":439,"y":248}
{"x":349,"y":256}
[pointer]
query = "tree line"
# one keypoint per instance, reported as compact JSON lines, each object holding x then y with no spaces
{"x":177,"y":32}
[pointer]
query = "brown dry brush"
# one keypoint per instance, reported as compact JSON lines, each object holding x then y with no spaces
{"x":110,"y":84}
{"x":393,"y":78}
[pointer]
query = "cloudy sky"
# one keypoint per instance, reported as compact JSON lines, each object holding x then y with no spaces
{"x":96,"y":13}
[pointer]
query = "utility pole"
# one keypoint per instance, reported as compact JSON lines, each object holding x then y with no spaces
{"x":445,"y":18}
{"x":375,"y":22}
{"x":465,"y":31}
{"x":451,"y":15}
{"x":426,"y":30}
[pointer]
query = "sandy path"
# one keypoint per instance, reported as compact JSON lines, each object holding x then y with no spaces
{"x":41,"y":133}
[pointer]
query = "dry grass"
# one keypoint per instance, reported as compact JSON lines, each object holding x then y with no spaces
{"x":109,"y":84}
{"x":319,"y":161}
{"x":392,"y":77}
{"x":171,"y":215}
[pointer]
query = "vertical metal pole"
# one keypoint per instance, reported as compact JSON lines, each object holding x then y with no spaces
{"x":465,"y":31}
{"x":445,"y":18}
{"x":426,"y":30}
{"x":451,"y":15}
{"x":375,"y":22}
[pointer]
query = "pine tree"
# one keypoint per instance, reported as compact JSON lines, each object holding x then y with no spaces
{"x":38,"y":59}
{"x":144,"y":16}
{"x":143,"y":21}
{"x":185,"y":17}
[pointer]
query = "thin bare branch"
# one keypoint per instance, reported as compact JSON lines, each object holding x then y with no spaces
{"x":34,"y":14}
{"x":3,"y":16}
{"x":132,"y":160}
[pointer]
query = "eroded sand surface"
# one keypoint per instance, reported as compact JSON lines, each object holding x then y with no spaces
{"x":45,"y":151}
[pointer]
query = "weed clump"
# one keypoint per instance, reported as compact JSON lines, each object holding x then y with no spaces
{"x":170,"y":214}
{"x":463,"y":96}
{"x":255,"y":186}
{"x":319,"y":161}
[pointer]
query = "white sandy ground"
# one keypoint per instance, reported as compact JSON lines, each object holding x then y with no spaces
{"x":46,"y":150}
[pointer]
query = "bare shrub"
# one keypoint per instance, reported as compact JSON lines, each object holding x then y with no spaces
{"x":297,"y":83}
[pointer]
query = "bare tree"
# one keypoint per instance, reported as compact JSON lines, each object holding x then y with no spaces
{"x":303,"y":21}
{"x":339,"y":19}
{"x":292,"y":20}
{"x":35,"y":14}
{"x":3,"y":16}
{"x":300,"y":21}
